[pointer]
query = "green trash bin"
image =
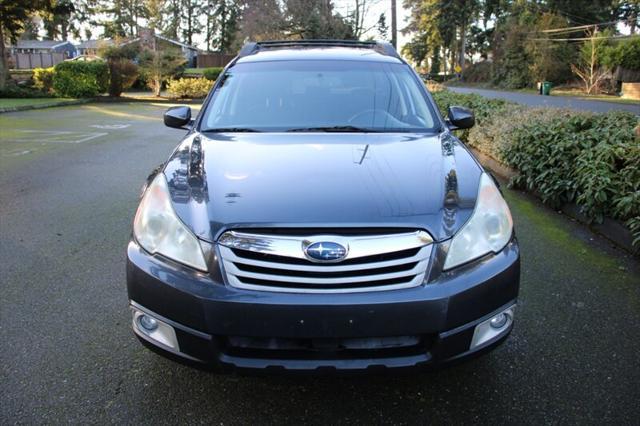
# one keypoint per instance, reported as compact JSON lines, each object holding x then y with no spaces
{"x":546,"y":88}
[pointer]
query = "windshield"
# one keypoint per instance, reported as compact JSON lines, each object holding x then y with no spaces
{"x":312,"y":95}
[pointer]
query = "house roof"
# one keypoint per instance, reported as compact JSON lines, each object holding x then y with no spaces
{"x":168,"y":40}
{"x":188,"y":46}
{"x":94,"y":44}
{"x":40,"y":44}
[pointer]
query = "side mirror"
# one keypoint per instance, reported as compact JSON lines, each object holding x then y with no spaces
{"x":460,"y":118}
{"x":178,"y":117}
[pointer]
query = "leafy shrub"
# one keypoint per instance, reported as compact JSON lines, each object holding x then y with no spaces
{"x":477,"y":73}
{"x":482,"y":108}
{"x":12,"y":90}
{"x":494,"y":134}
{"x":43,"y":78}
{"x":189,"y":87}
{"x":78,"y":79}
{"x":590,"y":159}
{"x":158,"y":66}
{"x":122,"y":74}
{"x":440,"y":78}
{"x":434,"y":86}
{"x":127,"y":51}
{"x":564,"y":156}
{"x":212,"y":73}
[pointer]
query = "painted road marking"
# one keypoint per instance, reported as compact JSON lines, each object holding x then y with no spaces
{"x":18,"y":153}
{"x":51,"y":136}
{"x":110,"y":126}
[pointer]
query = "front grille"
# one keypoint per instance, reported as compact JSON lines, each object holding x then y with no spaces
{"x":276,"y":262}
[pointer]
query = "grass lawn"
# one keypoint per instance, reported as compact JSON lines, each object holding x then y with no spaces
{"x":16,"y":102}
{"x":194,"y":70}
{"x":577,"y":94}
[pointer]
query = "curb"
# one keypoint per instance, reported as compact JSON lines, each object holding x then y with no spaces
{"x":611,"y":229}
{"x":100,"y":99}
{"x":120,"y":99}
{"x":42,"y":106}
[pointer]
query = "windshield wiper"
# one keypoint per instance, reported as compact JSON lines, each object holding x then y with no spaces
{"x":352,"y":129}
{"x":231,"y":129}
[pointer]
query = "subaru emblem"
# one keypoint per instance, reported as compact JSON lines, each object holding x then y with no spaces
{"x":325,"y":251}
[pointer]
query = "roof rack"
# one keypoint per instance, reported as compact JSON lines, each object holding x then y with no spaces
{"x":380,"y":47}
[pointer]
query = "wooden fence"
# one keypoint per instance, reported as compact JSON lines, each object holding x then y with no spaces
{"x":24,"y":61}
{"x":207,"y":60}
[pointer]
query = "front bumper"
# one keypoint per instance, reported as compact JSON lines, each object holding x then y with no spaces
{"x":220,"y":326}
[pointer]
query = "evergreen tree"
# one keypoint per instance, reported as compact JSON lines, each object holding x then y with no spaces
{"x":153,"y":13}
{"x":311,"y":19}
{"x":122,"y":17}
{"x":15,"y":15}
{"x":191,"y":24}
{"x":227,"y":14}
{"x":172,"y":16}
{"x":261,"y":20}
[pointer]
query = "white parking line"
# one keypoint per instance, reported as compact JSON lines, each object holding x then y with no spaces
{"x":110,"y":126}
{"x":51,"y":136}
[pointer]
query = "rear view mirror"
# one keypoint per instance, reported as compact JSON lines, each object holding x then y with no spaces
{"x":460,"y":118}
{"x":178,"y":117}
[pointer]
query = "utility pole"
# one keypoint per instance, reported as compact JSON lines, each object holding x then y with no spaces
{"x":394,"y":25}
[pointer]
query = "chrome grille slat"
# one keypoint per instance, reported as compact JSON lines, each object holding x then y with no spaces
{"x":233,"y":270}
{"x":229,"y":255}
{"x":283,"y":245}
{"x":235,"y":282}
{"x":278,"y":262}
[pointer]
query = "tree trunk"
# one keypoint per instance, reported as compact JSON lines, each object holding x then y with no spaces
{"x":64,"y":30}
{"x":444,"y":61}
{"x":3,"y":62}
{"x":394,"y":25}
{"x":463,"y":43}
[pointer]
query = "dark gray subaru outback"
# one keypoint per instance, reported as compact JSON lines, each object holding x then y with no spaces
{"x":320,"y":215}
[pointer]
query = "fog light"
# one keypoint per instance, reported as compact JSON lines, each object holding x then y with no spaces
{"x":153,"y":329}
{"x":498,"y":321}
{"x":148,"y":323}
{"x":493,"y":328}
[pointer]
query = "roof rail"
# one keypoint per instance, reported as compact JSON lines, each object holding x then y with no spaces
{"x":384,"y":48}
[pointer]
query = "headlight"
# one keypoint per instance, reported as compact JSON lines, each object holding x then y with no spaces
{"x":158,"y":229}
{"x":488,"y":230}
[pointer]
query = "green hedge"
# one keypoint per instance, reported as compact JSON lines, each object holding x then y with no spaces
{"x":189,"y":87}
{"x":564,"y":156}
{"x":12,"y":90}
{"x":212,"y":73}
{"x":77,"y":79}
{"x":482,"y":107}
{"x":43,"y":79}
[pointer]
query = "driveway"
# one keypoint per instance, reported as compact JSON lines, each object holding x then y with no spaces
{"x":69,"y":182}
{"x":551,"y":101}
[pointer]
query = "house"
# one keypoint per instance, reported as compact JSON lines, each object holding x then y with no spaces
{"x":44,"y":46}
{"x":149,"y":39}
{"x":91,"y":47}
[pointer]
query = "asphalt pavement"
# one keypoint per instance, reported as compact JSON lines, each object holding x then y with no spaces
{"x":552,"y":101}
{"x":69,"y":182}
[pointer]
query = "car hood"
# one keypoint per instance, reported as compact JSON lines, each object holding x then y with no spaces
{"x":309,"y":180}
